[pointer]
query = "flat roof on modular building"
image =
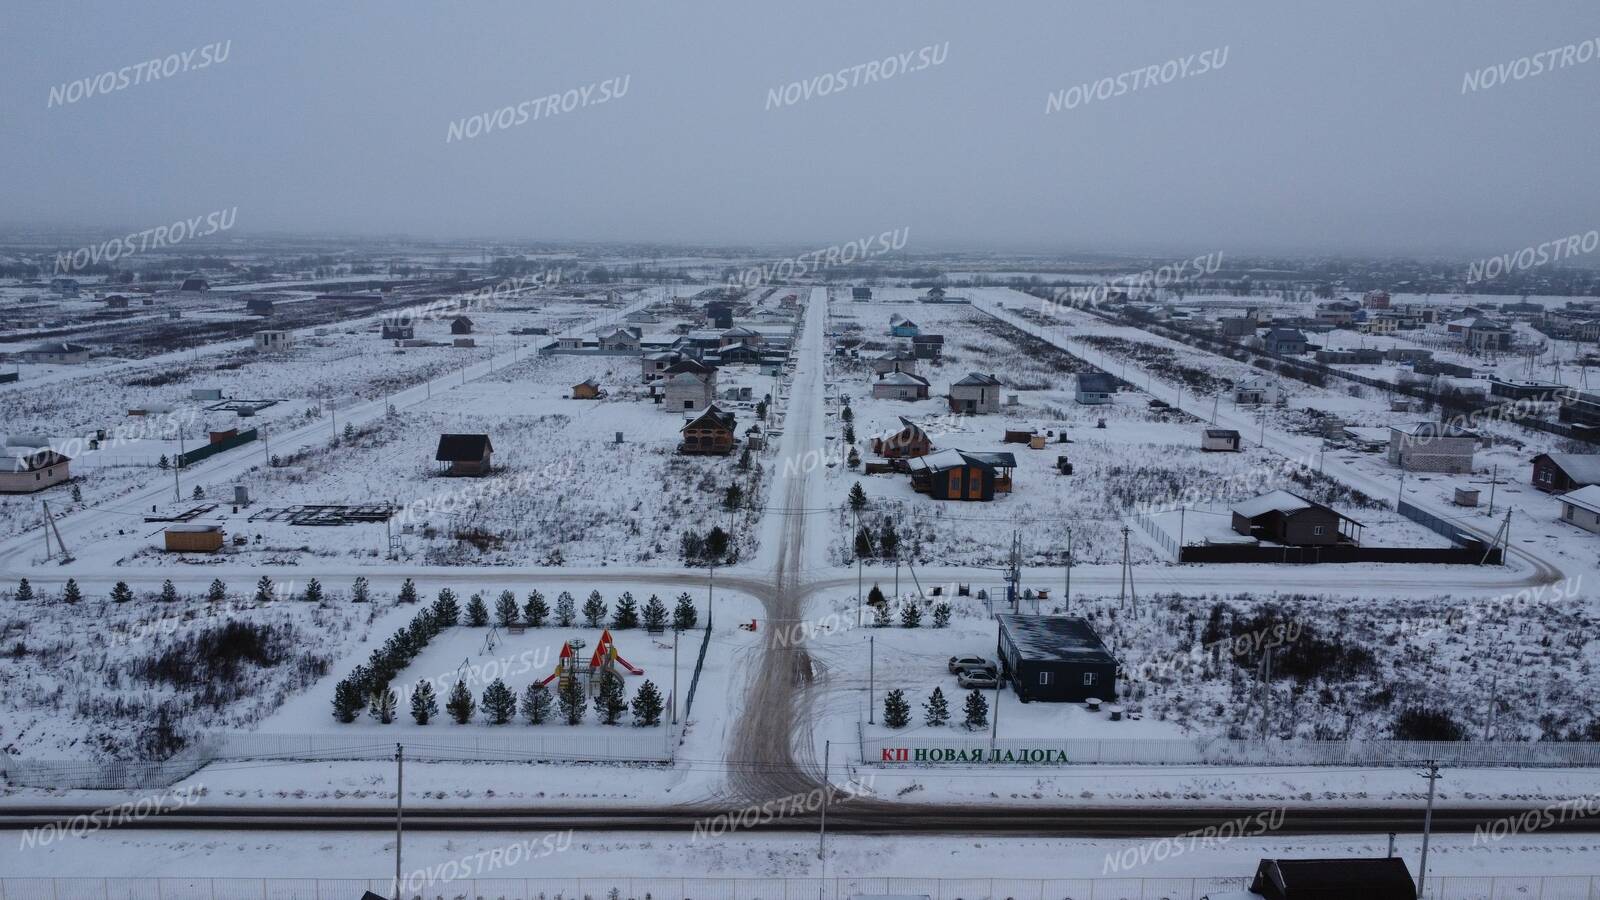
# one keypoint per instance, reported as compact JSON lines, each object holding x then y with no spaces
{"x":1068,"y":638}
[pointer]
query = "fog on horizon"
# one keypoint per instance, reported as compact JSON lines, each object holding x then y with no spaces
{"x":1432,"y":128}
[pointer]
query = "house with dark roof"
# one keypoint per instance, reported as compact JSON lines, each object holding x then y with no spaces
{"x":895,"y":360}
{"x":711,"y":432}
{"x":976,"y":394}
{"x":59,"y":353}
{"x":1095,"y":388}
{"x":904,"y":328}
{"x":1290,"y":519}
{"x":194,"y":285}
{"x":465,"y":454}
{"x":927,"y":346}
{"x":1219,"y":440}
{"x":861,"y":293}
{"x":1384,"y":878}
{"x":909,"y":442}
{"x":397,"y":328}
{"x":258,"y":306}
{"x":1557,"y":473}
{"x":25,"y":470}
{"x":1284,"y":341}
{"x":1055,"y":658}
{"x":461,"y":325}
{"x":962,"y":474}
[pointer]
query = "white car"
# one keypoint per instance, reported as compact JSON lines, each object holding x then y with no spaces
{"x":977,"y":678}
{"x":957,"y":663}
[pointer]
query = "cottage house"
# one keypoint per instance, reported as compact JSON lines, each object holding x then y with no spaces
{"x":712,"y":431}
{"x":977,"y":394}
{"x":194,"y":285}
{"x":1376,"y":299}
{"x":653,"y":366}
{"x":904,"y":328}
{"x":56,"y":353}
{"x":258,"y":306}
{"x":1432,"y":447}
{"x":65,"y":287}
{"x":1582,"y":508}
{"x":1094,"y":388}
{"x":910,"y":441}
{"x":1557,"y":473}
{"x":588,"y":389}
{"x":1255,"y":391}
{"x":620,"y":340}
{"x":465,"y":454}
{"x":739,"y":336}
{"x":274,"y":341}
{"x":896,"y":360}
{"x":900,"y":386}
{"x":1055,"y":658}
{"x":688,"y":384}
{"x":1291,"y":519}
{"x":962,"y":475}
{"x":461,"y":325}
{"x":116,"y":301}
{"x":26,"y":470}
{"x":1219,"y":439}
{"x":1284,"y":341}
{"x":934,"y":295}
{"x":861,"y":293}
{"x":927,"y":346}
{"x":1333,"y":879}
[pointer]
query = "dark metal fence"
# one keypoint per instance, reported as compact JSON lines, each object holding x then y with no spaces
{"x":209,"y":450}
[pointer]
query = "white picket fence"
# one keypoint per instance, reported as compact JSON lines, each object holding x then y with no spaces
{"x":1503,"y":887}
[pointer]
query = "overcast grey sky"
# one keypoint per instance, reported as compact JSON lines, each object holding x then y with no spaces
{"x":1338,"y":127}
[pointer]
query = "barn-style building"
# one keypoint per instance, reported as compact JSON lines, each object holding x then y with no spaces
{"x":465,"y":454}
{"x":1291,"y":519}
{"x":962,"y":474}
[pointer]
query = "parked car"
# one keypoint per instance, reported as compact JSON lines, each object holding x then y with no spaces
{"x":957,"y":663}
{"x":978,"y":678}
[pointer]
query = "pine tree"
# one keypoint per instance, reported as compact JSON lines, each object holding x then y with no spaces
{"x":536,"y":703}
{"x":733,"y":497}
{"x":875,"y":596}
{"x":896,"y":711}
{"x":199,"y":494}
{"x":977,"y":711}
{"x":121,"y":593}
{"x":313,"y":591}
{"x":612,"y":702}
{"x":655,"y":614}
{"x":594,"y":610}
{"x":360,"y":593}
{"x":460,"y":705}
{"x":424,"y":703}
{"x":849,"y":433}
{"x":169,"y":592}
{"x":744,"y":458}
{"x":217,"y":592}
{"x":77,"y":494}
{"x":446,"y":611}
{"x":684,"y":616}
{"x":941,"y":615}
{"x":846,"y":415}
{"x":70,"y":592}
{"x":264,"y":590}
{"x":477,"y":612}
{"x":627,"y":614}
{"x":566,"y":610}
{"x":408,"y":592}
{"x":24,"y":591}
{"x":716,"y":545}
{"x":535,"y":611}
{"x":647,"y":706}
{"x":163,"y":463}
{"x":936,"y":709}
{"x":853,"y":458}
{"x":505,"y":609}
{"x":573,"y":701}
{"x":889,"y":540}
{"x":349,"y":431}
{"x":347,"y":700}
{"x":863,"y":543}
{"x":858,"y":497}
{"x":880,"y":616}
{"x":499,"y":704}
{"x":911,"y":616}
{"x":382,"y":706}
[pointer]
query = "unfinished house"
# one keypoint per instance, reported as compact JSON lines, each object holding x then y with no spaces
{"x":471,"y":455}
{"x":976,"y":394}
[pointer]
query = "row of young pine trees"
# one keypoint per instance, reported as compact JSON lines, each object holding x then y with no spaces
{"x":369,"y":686}
{"x":935,"y":710}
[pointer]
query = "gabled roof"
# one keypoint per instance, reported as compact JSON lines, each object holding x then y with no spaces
{"x":19,"y":459}
{"x":1273,"y":501}
{"x":1431,"y":430}
{"x":1385,"y":878}
{"x":1222,"y":433}
{"x":1580,"y":467}
{"x":690,"y":366}
{"x":58,"y":347}
{"x":462,"y":447}
{"x":895,"y":355}
{"x":712,"y":417}
{"x":977,"y":379}
{"x":741,"y":331}
{"x":903,"y":378}
{"x":1284,"y":334}
{"x":1586,"y":498}
{"x":589,"y":382}
{"x":943,"y":460}
{"x":1096,"y":382}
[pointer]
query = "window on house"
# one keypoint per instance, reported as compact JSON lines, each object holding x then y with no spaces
{"x":1318,"y":530}
{"x":1044,"y":677}
{"x":1566,"y":513}
{"x":1088,"y":678}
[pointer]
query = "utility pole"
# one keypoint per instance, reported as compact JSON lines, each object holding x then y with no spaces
{"x":399,"y":813}
{"x":1494,"y":479}
{"x":1214,"y":401}
{"x":1266,"y":694}
{"x":1402,"y":496}
{"x":872,"y":665}
{"x":994,"y":719}
{"x":675,"y":634}
{"x":177,"y":487}
{"x":1427,"y":824}
{"x":1182,"y":510}
{"x":860,"y":601}
{"x":822,"y":828}
{"x":1066,"y":591}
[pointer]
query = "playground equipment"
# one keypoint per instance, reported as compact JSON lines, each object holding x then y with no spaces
{"x":604,"y":659}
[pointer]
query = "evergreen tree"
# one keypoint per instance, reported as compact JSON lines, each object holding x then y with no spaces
{"x":647,"y":706}
{"x":424,"y":703}
{"x":858,"y":497}
{"x":264,"y":590}
{"x":889,"y":540}
{"x":360,"y":593}
{"x":535,"y":611}
{"x":121,"y":593}
{"x":477,"y":611}
{"x":655,"y":614}
{"x":77,"y":494}
{"x":349,"y":431}
{"x":744,"y":458}
{"x":347,"y":700}
{"x":863,"y":543}
{"x":446,"y":611}
{"x":217,"y":592}
{"x":566,"y":610}
{"x":936,"y":710}
{"x":382,"y":706}
{"x":163,"y":463}
{"x":70,"y":592}
{"x":408,"y":592}
{"x":684,"y":616}
{"x":716,"y":545}
{"x":612,"y":702}
{"x":505,"y":609}
{"x":460,"y":705}
{"x":733,"y":497}
{"x":536,"y":703}
{"x":896,"y":711}
{"x":853,"y":458}
{"x":313,"y":591}
{"x":594,"y":610}
{"x":499,"y":704}
{"x":169,"y":592}
{"x":875,"y":596}
{"x":573,"y":701}
{"x":941,"y":615}
{"x":846,"y":415}
{"x":627,"y":614}
{"x":911,"y":616}
{"x":849,"y":433}
{"x":198,"y":494}
{"x":692,"y":546}
{"x":880,"y":616}
{"x":24,"y":591}
{"x":977,"y":711}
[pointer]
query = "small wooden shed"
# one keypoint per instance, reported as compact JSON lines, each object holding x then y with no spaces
{"x":189,"y":537}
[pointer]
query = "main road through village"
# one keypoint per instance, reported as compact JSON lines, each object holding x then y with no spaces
{"x":771,"y":755}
